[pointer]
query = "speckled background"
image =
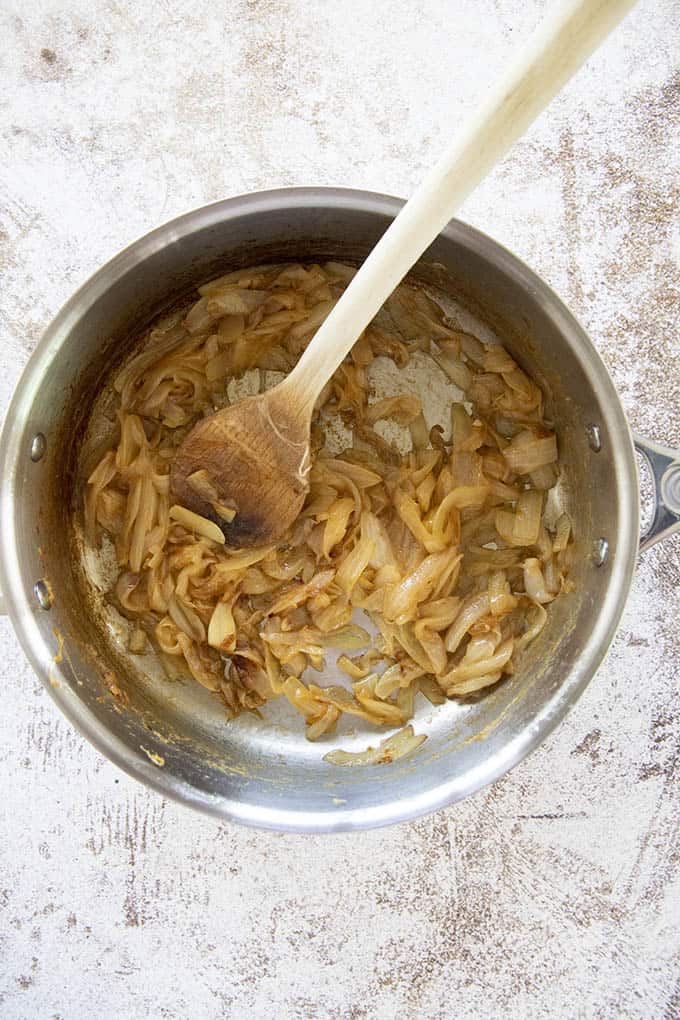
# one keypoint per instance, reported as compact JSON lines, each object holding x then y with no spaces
{"x":554,"y":893}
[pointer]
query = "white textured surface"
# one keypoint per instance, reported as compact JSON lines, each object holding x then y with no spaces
{"x":553,"y":894}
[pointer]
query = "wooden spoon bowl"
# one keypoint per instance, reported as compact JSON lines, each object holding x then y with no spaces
{"x":252,"y":459}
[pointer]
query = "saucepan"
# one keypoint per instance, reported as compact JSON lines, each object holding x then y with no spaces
{"x":174,"y":737}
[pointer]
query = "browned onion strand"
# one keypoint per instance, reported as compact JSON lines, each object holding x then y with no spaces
{"x":446,"y":549}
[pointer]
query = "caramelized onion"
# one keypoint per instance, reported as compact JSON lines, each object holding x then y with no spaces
{"x":445,"y":548}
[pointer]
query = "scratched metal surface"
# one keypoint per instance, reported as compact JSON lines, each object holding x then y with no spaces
{"x":553,"y":894}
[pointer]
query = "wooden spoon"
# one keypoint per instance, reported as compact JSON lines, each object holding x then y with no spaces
{"x":254,"y":457}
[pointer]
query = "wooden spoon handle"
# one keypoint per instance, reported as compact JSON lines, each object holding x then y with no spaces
{"x":554,"y":53}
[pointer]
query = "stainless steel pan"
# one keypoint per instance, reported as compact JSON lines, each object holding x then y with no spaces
{"x":175,"y":738}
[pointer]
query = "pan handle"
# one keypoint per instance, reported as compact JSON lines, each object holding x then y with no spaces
{"x":664,"y":463}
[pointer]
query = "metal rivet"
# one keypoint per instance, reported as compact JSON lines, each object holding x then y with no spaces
{"x":670,"y":488}
{"x":42,"y":593}
{"x":600,"y":552}
{"x":38,"y":447}
{"x":594,"y":438}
